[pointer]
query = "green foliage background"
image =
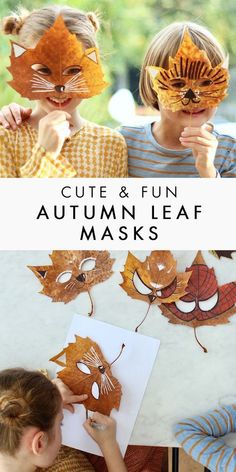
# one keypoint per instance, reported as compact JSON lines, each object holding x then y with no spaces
{"x":127,"y":28}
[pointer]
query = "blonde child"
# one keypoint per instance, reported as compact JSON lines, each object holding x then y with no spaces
{"x":30,"y":426}
{"x":54,"y":140}
{"x":180,"y":144}
{"x":203,"y":438}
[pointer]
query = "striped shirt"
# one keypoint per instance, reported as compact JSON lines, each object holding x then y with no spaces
{"x":92,"y":151}
{"x":202,"y":438}
{"x":148,"y":159}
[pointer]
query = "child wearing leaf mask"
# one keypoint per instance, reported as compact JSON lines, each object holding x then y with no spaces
{"x":55,"y":61}
{"x":30,"y":427}
{"x":184,"y":77}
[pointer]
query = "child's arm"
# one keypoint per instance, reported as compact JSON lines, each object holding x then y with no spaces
{"x":122,"y":159}
{"x":45,"y":159}
{"x":8,"y":166}
{"x":103,"y":430}
{"x":202,"y":438}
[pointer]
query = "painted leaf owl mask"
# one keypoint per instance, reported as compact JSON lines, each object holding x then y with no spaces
{"x":73,"y":272}
{"x":58,"y":67}
{"x":87,"y":372}
{"x":155,"y":280}
{"x":190,"y":81}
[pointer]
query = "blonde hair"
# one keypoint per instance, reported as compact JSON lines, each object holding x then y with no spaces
{"x":30,"y":26}
{"x":166,"y":43}
{"x":27,"y":398}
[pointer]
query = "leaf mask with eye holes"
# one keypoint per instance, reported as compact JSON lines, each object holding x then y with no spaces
{"x":73,"y":272}
{"x":206,"y":303}
{"x":190,"y":82}
{"x":58,"y":67}
{"x":155,"y":280}
{"x":86,"y":371}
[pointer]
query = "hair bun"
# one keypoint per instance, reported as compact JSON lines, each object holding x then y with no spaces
{"x":12,"y":410}
{"x":13,"y":24}
{"x":94,"y":20}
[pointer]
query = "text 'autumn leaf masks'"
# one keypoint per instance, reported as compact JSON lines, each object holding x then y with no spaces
{"x":58,"y":67}
{"x":206,"y":303}
{"x":73,"y":272}
{"x":155,"y":280}
{"x":190,"y":81}
{"x":87,"y":372}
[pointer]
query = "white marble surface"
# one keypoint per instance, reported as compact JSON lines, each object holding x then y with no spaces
{"x":185,"y":381}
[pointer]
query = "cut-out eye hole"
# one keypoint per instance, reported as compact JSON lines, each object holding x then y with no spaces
{"x":88,"y":264}
{"x":178,"y":83}
{"x":72,"y":70}
{"x":205,"y":83}
{"x":185,"y":307}
{"x":161,"y":266}
{"x":140,"y":285}
{"x":41,"y":69}
{"x":64,"y":277}
{"x":83,"y":368}
{"x":95,"y":390}
{"x":206,"y":305}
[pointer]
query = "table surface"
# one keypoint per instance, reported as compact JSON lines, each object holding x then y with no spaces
{"x":184,"y":382}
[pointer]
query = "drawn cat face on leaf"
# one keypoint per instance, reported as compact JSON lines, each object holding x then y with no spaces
{"x":73,"y":272}
{"x":190,"y":81}
{"x":155,"y":280}
{"x":87,"y":372}
{"x":58,"y":67}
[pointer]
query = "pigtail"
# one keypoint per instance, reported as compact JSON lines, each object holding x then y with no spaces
{"x":94,"y":19}
{"x":13,"y":24}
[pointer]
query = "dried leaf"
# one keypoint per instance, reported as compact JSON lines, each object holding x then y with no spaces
{"x":87,"y":372}
{"x":155,"y":280}
{"x":73,"y":272}
{"x":228,"y":254}
{"x":206,"y":303}
{"x":58,"y":50}
{"x":190,"y":81}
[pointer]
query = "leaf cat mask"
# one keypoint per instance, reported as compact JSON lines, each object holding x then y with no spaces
{"x":73,"y":272}
{"x":58,"y":67}
{"x":206,"y":303}
{"x":155,"y":280}
{"x":190,"y":82}
{"x":87,"y":372}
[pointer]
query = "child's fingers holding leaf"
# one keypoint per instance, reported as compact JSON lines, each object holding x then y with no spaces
{"x":68,"y":396}
{"x":203,"y":144}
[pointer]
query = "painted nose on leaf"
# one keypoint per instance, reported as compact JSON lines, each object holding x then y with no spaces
{"x":151,"y":298}
{"x":60,"y":88}
{"x":81,"y":278}
{"x":190,"y":94}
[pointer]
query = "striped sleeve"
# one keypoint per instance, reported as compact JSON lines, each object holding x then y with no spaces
{"x":202,"y":438}
{"x":228,"y":168}
{"x":42,"y":164}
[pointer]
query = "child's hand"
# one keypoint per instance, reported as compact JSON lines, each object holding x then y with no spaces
{"x":68,"y":397}
{"x":12,"y":116}
{"x":103,"y":431}
{"x":203,"y":144}
{"x":54,"y":128}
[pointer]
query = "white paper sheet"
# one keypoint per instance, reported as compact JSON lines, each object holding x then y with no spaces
{"x":132,"y":369}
